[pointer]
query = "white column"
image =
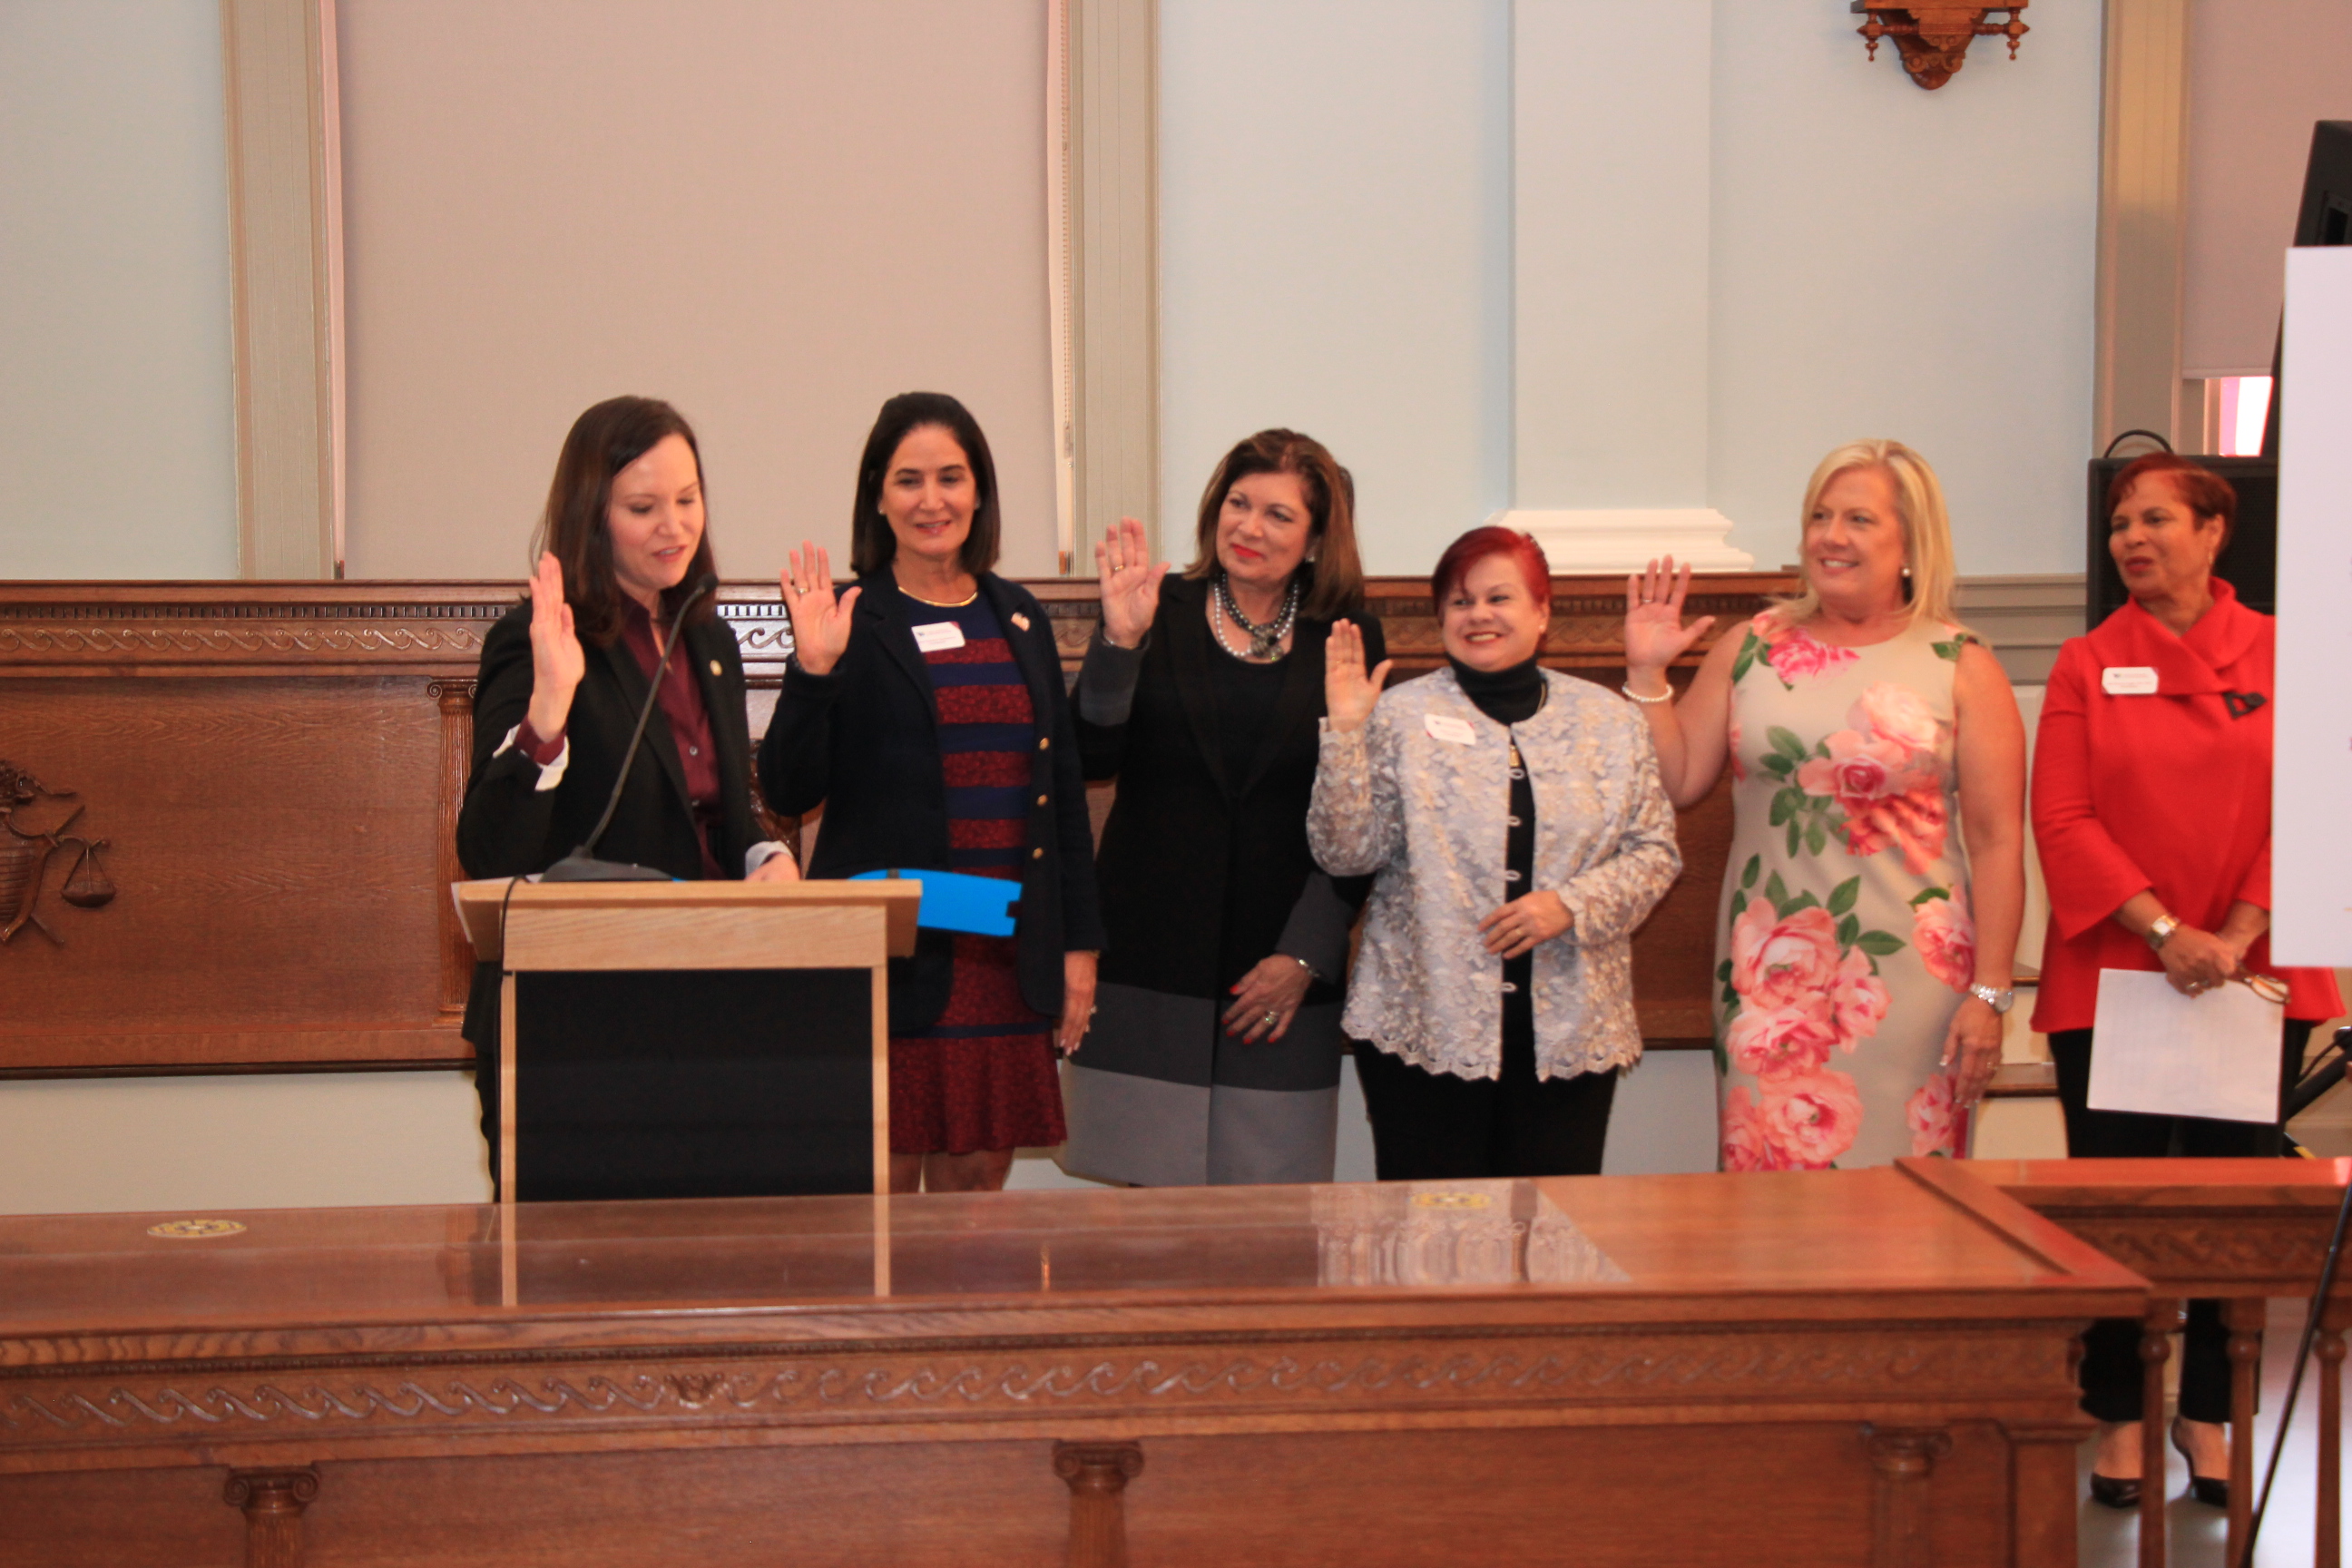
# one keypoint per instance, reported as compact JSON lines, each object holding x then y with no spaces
{"x":1611,"y":149}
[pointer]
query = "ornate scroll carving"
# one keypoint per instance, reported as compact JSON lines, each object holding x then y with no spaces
{"x":1097,"y":1474}
{"x":273,"y":1501}
{"x":27,"y":850}
{"x":1903,"y":1461}
{"x":824,"y":1388}
{"x":1933,"y":39}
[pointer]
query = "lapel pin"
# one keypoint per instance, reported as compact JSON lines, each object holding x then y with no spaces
{"x":1021,"y":620}
{"x":714,"y":667}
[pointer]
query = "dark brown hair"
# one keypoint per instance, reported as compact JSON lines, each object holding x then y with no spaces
{"x":872,"y":545}
{"x":2204,"y":492}
{"x":1334,"y":572}
{"x":1479,"y":544}
{"x":576,"y":526}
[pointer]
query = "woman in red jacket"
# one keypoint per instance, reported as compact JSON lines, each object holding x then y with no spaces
{"x":2152,"y":811}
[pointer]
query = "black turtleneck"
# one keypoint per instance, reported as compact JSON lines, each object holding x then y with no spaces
{"x":1511,"y":697}
{"x":1506,"y":696}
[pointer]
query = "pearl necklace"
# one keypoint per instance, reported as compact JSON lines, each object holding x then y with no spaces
{"x":1266,"y":641}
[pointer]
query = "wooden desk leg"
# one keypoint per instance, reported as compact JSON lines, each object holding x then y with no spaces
{"x":2245,"y":1317}
{"x":273,"y":1501}
{"x":2156,"y":1332}
{"x":2328,"y":1551}
{"x":1097,"y":1474}
{"x":1905,"y":1460}
{"x":2045,"y":1509}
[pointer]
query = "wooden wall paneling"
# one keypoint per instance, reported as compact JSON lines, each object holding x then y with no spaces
{"x":278,"y":766}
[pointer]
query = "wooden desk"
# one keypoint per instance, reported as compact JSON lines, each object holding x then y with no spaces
{"x":1827,"y":1368}
{"x":2242,"y":1230}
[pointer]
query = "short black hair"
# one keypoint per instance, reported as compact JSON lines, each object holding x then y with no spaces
{"x":872,"y":545}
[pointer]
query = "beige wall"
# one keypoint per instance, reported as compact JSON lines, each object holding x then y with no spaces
{"x":2260,"y":72}
{"x":774,"y":215}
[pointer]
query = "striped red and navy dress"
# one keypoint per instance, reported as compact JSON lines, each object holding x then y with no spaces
{"x":982,"y":1076}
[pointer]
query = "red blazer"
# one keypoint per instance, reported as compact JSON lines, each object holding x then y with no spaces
{"x":2166,"y":791}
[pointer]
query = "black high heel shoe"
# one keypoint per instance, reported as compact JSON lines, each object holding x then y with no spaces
{"x":2110,"y":1491}
{"x":2214,"y":1493}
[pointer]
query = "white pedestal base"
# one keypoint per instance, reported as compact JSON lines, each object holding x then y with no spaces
{"x":1579,"y":542}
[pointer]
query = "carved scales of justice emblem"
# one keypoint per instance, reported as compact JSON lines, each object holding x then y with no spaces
{"x":27,"y":848}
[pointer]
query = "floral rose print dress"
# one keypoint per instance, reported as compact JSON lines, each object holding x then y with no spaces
{"x":1845,"y":943}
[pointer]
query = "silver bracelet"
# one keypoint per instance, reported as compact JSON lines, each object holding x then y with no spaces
{"x":1665,"y":696}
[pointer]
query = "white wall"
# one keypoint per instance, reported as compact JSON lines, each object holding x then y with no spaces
{"x":1339,"y":211}
{"x":116,"y":430}
{"x":1889,"y":261}
{"x":1335,"y":253}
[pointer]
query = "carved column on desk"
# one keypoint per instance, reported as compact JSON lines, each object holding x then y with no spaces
{"x":2163,"y":1318}
{"x":1904,"y":1460}
{"x":2043,"y":1504}
{"x":2329,"y":1552}
{"x":273,"y":1501}
{"x":1097,"y":1474}
{"x":2244,"y":1317}
{"x":457,"y":702}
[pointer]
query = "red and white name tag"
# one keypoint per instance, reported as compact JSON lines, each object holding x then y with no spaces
{"x":1445,"y":726}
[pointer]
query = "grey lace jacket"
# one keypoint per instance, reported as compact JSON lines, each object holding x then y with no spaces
{"x":1429,"y":816}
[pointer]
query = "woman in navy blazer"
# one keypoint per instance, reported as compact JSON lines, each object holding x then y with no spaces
{"x":924,"y":708}
{"x":563,"y":675}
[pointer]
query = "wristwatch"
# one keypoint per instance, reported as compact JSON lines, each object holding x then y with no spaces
{"x":1998,"y":1001}
{"x":2160,"y":931}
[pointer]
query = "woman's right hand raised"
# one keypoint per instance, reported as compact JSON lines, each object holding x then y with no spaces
{"x":1131,"y":584}
{"x":1654,"y":633}
{"x":1349,"y":693}
{"x":557,"y":661}
{"x":820,"y":621}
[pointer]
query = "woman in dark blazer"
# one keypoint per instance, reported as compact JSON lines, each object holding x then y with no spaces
{"x":2152,"y":812}
{"x":924,"y":709}
{"x":566,"y":672}
{"x":1216,"y":1048}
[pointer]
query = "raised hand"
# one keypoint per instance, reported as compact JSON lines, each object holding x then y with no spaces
{"x":820,"y":621}
{"x":1654,"y":633}
{"x":1348,"y":692}
{"x":557,"y":659}
{"x":1131,"y":584}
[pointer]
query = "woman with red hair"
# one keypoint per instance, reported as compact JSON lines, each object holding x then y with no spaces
{"x":1514,"y":824}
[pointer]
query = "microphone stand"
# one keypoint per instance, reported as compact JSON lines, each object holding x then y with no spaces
{"x":581,"y":865}
{"x":2301,"y":1355}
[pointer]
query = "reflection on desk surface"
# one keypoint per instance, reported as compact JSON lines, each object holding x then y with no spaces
{"x":1711,"y":1236}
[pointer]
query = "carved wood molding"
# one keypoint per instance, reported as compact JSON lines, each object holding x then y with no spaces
{"x":1912,"y":1366}
{"x":2183,"y":1252}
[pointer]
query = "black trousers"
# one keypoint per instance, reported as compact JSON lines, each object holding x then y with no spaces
{"x":1432,"y":1126}
{"x":2111,"y":1363}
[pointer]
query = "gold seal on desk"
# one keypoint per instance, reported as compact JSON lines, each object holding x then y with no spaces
{"x":1450,"y":1200}
{"x":194,"y":1229}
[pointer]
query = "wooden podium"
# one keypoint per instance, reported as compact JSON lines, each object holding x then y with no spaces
{"x":638,"y":1006}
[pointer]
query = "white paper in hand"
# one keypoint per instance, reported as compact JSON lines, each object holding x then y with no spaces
{"x":2168,"y":1055}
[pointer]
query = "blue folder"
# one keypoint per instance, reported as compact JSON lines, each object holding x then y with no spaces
{"x":954,"y":901}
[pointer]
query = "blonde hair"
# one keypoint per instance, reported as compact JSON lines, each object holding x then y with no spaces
{"x":1926,"y":530}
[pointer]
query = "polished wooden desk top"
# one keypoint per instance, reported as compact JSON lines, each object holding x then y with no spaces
{"x":1621,"y":1249}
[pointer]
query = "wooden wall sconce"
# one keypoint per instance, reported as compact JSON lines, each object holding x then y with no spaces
{"x":1933,"y":39}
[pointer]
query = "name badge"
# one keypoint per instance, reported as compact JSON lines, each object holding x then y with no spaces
{"x":938,"y":637}
{"x":1452,"y":731}
{"x":2128,"y":680}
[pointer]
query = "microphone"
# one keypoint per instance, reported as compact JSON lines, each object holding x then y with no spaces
{"x":581,"y":865}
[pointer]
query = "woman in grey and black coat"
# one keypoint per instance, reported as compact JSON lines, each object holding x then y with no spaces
{"x":1519,"y":834}
{"x":1215,"y":1052}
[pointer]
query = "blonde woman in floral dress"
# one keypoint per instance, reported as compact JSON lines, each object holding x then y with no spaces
{"x":1863,"y":955}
